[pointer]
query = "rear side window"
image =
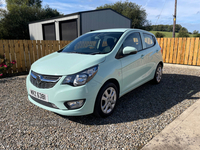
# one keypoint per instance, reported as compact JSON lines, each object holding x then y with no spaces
{"x":149,"y":40}
{"x":133,"y":40}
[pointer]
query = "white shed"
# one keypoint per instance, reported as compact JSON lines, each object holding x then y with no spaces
{"x":68,"y":27}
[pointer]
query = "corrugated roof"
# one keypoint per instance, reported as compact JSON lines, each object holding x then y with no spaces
{"x":77,"y":13}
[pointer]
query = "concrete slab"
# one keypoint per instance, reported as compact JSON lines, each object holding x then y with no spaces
{"x":182,"y":134}
{"x":182,"y":66}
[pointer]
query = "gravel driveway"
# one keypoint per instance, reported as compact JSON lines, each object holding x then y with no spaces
{"x":140,"y":115}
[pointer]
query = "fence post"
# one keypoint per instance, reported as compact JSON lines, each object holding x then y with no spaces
{"x":187,"y":51}
{"x":177,"y":44}
{"x":171,"y":50}
{"x":183,"y":51}
{"x":191,"y":52}
{"x":196,"y":52}
{"x":1,"y":49}
{"x":179,"y":50}
{"x":18,"y":57}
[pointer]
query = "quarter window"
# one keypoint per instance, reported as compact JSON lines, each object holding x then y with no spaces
{"x":148,"y":40}
{"x":133,"y":40}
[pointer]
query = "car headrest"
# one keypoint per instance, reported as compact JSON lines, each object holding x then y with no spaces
{"x":110,"y":42}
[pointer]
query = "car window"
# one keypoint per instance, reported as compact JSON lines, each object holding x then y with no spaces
{"x":85,"y":43}
{"x":93,"y":43}
{"x":133,"y":40}
{"x":148,"y":40}
{"x":104,"y":43}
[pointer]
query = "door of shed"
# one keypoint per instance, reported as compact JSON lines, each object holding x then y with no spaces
{"x":68,"y":30}
{"x":49,"y":31}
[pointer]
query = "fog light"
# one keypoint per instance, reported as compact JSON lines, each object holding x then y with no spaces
{"x":74,"y":104}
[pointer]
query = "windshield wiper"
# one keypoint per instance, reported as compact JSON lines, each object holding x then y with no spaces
{"x":75,"y":52}
{"x":97,"y":53}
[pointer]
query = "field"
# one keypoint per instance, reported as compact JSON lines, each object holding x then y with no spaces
{"x":167,"y":34}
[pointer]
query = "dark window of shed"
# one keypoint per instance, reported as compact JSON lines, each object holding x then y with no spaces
{"x":68,"y":30}
{"x":49,"y":31}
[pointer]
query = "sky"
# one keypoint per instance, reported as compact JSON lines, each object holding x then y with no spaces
{"x":158,"y":11}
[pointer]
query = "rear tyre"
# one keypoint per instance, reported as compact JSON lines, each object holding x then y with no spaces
{"x":158,"y":74}
{"x":106,"y":100}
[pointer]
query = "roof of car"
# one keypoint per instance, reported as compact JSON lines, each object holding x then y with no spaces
{"x":117,"y":30}
{"x":120,"y":30}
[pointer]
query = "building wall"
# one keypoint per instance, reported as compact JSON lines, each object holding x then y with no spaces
{"x":35,"y":29}
{"x":104,"y":19}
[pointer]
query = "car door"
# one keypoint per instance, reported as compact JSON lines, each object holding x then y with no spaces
{"x":132,"y":64}
{"x":149,"y":55}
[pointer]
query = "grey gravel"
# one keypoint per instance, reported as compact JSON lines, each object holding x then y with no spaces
{"x":140,"y":115}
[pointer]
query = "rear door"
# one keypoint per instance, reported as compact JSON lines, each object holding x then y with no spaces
{"x":149,"y":59}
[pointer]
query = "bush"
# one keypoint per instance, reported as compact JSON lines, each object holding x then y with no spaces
{"x":159,"y":35}
{"x":197,"y":35}
{"x":183,"y":33}
{"x":195,"y":32}
{"x":5,"y":65}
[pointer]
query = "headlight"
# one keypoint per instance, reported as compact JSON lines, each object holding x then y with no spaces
{"x":81,"y":78}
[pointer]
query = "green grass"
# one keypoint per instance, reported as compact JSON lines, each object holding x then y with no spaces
{"x":167,"y":34}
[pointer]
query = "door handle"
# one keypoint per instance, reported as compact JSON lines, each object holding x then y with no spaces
{"x":142,"y":56}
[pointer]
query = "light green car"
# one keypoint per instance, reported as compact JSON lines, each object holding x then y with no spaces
{"x":91,"y":73}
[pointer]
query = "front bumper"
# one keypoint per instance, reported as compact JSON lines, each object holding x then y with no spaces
{"x":61,"y":93}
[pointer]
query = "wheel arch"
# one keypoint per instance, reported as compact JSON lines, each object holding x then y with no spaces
{"x":162,"y":64}
{"x":112,"y":80}
{"x":115,"y":82}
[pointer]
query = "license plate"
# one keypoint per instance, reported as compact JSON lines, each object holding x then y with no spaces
{"x":39,"y":95}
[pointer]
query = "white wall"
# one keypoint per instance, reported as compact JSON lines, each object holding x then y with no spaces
{"x":35,"y":29}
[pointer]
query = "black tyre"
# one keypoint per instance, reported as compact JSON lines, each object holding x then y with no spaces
{"x":106,"y":100}
{"x":158,"y":74}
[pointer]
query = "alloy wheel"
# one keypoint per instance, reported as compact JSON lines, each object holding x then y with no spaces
{"x":108,"y":100}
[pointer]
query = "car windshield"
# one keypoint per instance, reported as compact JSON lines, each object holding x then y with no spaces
{"x":93,"y":43}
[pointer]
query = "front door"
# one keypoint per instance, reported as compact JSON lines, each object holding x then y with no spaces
{"x":133,"y":64}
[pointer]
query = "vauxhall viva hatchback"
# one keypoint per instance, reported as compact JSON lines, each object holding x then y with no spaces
{"x":91,"y":73}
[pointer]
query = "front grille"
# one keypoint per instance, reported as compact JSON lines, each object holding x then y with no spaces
{"x":43,"y":81}
{"x":44,"y":103}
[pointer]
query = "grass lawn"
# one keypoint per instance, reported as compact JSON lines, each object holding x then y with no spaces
{"x":168,"y":34}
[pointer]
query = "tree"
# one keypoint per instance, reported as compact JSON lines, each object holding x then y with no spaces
{"x":131,"y":10}
{"x":184,"y":29}
{"x":170,"y":28}
{"x":14,"y":25}
{"x":195,"y":32}
{"x":159,"y":35}
{"x":147,"y":26}
{"x":31,"y":3}
{"x":178,"y":27}
{"x":183,"y":33}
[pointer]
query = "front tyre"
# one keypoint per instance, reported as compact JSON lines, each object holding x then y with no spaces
{"x":158,"y":74}
{"x":106,"y":100}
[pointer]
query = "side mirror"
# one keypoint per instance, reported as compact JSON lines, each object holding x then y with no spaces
{"x":129,"y":50}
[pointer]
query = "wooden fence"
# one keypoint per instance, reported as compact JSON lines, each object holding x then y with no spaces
{"x":181,"y":50}
{"x":25,"y":52}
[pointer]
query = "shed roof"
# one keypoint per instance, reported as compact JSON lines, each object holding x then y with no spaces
{"x":77,"y":13}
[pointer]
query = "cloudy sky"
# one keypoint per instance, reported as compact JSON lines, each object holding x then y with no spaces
{"x":158,"y":11}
